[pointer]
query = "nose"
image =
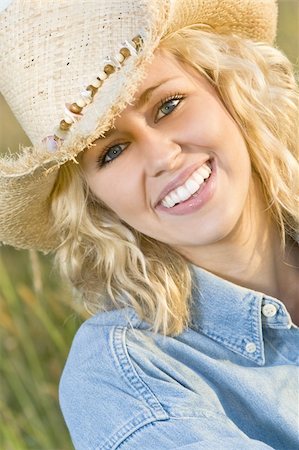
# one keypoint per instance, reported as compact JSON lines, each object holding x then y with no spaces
{"x":159,"y":152}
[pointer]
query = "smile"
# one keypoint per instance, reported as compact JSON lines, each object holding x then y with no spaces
{"x":190,"y":187}
{"x":193,"y":195}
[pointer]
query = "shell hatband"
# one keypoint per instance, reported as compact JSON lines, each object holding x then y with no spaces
{"x":73,"y":111}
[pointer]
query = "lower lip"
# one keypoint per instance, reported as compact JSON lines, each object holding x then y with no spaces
{"x":197,"y":200}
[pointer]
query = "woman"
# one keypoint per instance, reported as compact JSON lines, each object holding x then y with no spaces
{"x":168,"y":193}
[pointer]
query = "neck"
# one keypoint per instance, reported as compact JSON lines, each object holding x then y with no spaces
{"x":253,"y":256}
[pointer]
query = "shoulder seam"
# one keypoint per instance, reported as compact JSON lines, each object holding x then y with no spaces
{"x":152,"y":410}
{"x":129,"y":429}
{"x":131,"y":377}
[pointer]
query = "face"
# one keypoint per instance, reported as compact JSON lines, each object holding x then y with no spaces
{"x":177,"y":144}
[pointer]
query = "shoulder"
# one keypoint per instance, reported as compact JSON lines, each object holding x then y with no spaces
{"x":101,"y":395}
{"x":123,"y":387}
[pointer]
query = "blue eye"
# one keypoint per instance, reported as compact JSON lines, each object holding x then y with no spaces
{"x":169,"y":104}
{"x":110,"y":154}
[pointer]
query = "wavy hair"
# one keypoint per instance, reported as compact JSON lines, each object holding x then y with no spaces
{"x":112,"y":264}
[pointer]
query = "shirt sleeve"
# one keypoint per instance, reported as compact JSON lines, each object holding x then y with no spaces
{"x":102,"y":399}
{"x":191,"y":433}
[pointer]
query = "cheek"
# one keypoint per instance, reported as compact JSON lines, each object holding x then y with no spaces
{"x":117,"y":191}
{"x":101,"y":189}
{"x":205,"y":127}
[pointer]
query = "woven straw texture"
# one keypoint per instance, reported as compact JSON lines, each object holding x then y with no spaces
{"x":51,"y":49}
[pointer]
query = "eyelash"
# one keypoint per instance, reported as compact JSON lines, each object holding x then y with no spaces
{"x":101,"y":159}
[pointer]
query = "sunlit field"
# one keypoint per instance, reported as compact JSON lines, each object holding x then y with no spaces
{"x":39,"y":315}
{"x":38,"y":321}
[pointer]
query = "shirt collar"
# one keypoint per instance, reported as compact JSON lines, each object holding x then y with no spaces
{"x":232,"y":315}
{"x":225,"y":312}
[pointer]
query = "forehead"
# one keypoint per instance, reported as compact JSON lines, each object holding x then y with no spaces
{"x":163,"y":64}
{"x":162,"y":68}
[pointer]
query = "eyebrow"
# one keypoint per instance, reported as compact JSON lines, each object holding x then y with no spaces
{"x":142,"y":100}
{"x":146,"y":95}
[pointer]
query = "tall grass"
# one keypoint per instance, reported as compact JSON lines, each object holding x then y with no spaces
{"x":38,"y":321}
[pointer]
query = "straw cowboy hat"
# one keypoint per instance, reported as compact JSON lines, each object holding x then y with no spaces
{"x":68,"y":67}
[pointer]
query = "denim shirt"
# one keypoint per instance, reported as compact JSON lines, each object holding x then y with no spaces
{"x":228,"y":382}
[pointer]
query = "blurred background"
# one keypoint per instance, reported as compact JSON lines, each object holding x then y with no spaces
{"x":39,"y":316}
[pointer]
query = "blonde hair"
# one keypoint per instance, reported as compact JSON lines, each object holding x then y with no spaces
{"x":115,"y":266}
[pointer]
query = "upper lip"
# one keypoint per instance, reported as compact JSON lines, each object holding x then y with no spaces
{"x":179,"y":180}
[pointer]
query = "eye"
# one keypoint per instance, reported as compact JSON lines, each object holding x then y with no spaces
{"x":110,"y":154}
{"x":168,"y":105}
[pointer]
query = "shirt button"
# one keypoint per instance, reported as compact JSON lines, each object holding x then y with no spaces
{"x":269,"y":310}
{"x":250,"y":347}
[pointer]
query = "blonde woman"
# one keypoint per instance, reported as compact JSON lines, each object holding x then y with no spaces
{"x":164,"y":176}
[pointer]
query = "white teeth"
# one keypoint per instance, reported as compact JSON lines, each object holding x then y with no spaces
{"x":204,"y":171}
{"x":183,"y":193}
{"x":191,"y":186}
{"x":168,"y":202}
{"x":174,"y":197}
{"x":198,"y":178}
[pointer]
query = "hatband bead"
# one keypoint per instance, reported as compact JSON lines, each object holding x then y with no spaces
{"x":80,"y":102}
{"x":96,"y":83}
{"x":70,"y":116}
{"x":75,"y":108}
{"x":68,"y":119}
{"x":125,"y":52}
{"x":64,"y":125}
{"x":51,"y":143}
{"x":138,"y":41}
{"x":85,"y":93}
{"x":120,"y":57}
{"x":86,"y":96}
{"x":109,"y":69}
{"x":87,"y":100}
{"x":102,"y":76}
{"x":60,"y":134}
{"x":115,"y":62}
{"x":92,"y":89}
{"x":130,"y":47}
